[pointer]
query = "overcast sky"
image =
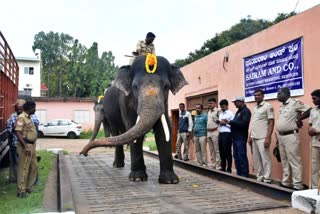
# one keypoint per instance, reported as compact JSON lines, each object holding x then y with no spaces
{"x":180,"y":26}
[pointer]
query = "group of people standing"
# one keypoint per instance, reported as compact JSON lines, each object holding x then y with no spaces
{"x":22,"y":129}
{"x":227,"y":133}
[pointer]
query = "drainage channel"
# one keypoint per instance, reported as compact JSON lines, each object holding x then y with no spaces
{"x":96,"y":187}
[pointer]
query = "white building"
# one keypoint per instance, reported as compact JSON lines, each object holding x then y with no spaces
{"x":30,"y":75}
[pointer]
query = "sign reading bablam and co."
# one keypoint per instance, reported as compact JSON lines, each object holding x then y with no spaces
{"x":273,"y":69}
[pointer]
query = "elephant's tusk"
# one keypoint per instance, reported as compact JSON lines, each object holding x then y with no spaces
{"x":138,"y":118}
{"x":165,"y":127}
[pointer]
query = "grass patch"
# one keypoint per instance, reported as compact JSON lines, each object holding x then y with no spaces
{"x":88,"y":134}
{"x":10,"y":204}
{"x":150,"y":141}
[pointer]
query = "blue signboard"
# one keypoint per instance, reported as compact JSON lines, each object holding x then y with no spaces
{"x":273,"y":69}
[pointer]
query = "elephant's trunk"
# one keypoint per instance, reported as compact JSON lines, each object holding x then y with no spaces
{"x":96,"y":128}
{"x":147,"y":120}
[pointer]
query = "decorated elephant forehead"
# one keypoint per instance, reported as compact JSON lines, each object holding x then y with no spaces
{"x":151,"y":91}
{"x":151,"y":63}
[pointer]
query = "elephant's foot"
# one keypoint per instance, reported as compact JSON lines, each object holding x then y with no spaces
{"x":138,"y":175}
{"x":168,"y":177}
{"x":118,"y":164}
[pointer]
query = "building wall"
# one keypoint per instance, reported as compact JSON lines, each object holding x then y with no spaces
{"x":34,"y":80}
{"x":62,"y":109}
{"x":208,"y":75}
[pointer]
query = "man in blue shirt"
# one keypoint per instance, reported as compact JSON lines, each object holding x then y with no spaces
{"x":200,"y":135}
{"x":239,"y":131}
{"x":185,"y":128}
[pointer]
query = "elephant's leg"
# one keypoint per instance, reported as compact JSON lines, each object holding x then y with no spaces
{"x":119,"y":157}
{"x":119,"y":154}
{"x":106,"y":129}
{"x":167,"y":175}
{"x":138,"y":168}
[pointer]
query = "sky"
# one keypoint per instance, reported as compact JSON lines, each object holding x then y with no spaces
{"x":180,"y":26}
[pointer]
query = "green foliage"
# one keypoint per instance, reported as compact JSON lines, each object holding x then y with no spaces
{"x":245,"y":28}
{"x":10,"y":203}
{"x":150,"y":141}
{"x":88,"y":134}
{"x":70,"y":69}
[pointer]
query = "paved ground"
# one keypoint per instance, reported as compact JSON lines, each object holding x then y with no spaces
{"x":97,"y":187}
{"x":98,"y":190}
{"x":72,"y":146}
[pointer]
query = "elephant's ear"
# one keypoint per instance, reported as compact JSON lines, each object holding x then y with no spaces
{"x":123,"y":80}
{"x":176,"y":78}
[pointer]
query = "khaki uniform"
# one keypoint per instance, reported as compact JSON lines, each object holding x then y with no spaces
{"x":314,"y":121}
{"x":143,"y":48}
{"x":262,"y":113}
{"x":289,"y":141}
{"x":27,"y":165}
{"x":212,"y":137}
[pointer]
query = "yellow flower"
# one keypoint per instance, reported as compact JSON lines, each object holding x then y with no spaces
{"x":151,"y":63}
{"x":100,"y":98}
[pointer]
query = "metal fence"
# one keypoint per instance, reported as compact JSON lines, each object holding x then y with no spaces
{"x":9,"y":80}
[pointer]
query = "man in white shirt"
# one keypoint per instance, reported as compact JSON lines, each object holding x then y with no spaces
{"x":225,"y":138}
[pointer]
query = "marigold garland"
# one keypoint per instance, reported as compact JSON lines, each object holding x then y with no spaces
{"x":151,"y":62}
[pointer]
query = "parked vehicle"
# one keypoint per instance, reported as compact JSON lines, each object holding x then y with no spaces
{"x":60,"y":127}
{"x":9,"y":81}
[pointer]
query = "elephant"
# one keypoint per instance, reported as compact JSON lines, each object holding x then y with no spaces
{"x":139,"y":101}
{"x":98,"y":120}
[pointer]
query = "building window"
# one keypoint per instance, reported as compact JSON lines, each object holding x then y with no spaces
{"x":29,"y":70}
{"x":81,"y":116}
{"x":27,"y":92}
{"x":44,"y":93}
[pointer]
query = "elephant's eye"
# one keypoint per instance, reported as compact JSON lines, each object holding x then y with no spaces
{"x":166,"y":86}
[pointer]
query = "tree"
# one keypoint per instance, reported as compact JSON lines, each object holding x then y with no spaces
{"x":70,"y":69}
{"x":245,"y":28}
{"x":54,"y":47}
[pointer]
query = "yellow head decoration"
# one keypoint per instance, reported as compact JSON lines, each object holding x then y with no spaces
{"x":151,"y":63}
{"x":100,"y":98}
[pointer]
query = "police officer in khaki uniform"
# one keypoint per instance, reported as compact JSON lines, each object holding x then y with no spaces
{"x":12,"y":139}
{"x":146,"y":46}
{"x":314,"y":132}
{"x":143,"y":47}
{"x":212,"y":133}
{"x":260,"y":136}
{"x":292,"y":112}
{"x":27,"y":135}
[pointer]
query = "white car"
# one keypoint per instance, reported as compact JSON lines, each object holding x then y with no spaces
{"x":60,"y":127}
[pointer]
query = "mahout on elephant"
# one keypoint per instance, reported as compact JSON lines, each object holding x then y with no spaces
{"x":137,"y":102}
